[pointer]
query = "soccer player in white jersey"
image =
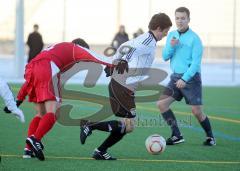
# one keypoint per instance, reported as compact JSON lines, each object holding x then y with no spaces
{"x":9,"y":101}
{"x":137,"y":53}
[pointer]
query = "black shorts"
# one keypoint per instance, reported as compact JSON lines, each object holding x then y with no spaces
{"x":121,"y":100}
{"x":192,"y":93}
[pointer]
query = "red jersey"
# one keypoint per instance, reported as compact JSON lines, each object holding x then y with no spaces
{"x":38,"y":73}
{"x":66,"y":54}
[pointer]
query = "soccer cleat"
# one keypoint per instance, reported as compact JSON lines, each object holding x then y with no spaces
{"x":102,"y":155}
{"x":36,"y":147}
{"x":175,"y":140}
{"x":85,"y":132}
{"x":210,"y":141}
{"x":41,"y":144}
{"x":28,"y":154}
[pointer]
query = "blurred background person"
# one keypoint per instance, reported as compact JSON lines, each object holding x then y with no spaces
{"x":120,"y":37}
{"x":34,"y":42}
{"x":137,"y":33}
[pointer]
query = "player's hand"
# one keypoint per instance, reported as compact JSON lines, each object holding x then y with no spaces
{"x":122,"y":66}
{"x":108,"y":70}
{"x":18,"y":102}
{"x":174,"y":41}
{"x":180,"y":83}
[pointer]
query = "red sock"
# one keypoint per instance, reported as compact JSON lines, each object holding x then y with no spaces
{"x":45,"y":125}
{"x":33,"y":127}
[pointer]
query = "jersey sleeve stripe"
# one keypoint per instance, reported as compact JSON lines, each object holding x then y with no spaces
{"x":149,"y":37}
{"x":149,"y":40}
{"x":130,"y":53}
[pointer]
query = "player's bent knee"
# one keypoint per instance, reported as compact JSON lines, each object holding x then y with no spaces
{"x":162,"y":106}
{"x":39,"y":115}
{"x":129,"y":124}
{"x":129,"y":129}
{"x":197,"y":111}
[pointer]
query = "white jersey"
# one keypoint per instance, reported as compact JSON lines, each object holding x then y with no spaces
{"x":7,"y":95}
{"x":139,"y":53}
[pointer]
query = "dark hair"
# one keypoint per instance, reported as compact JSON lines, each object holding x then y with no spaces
{"x":183,"y":9}
{"x":81,"y":42}
{"x":36,"y":25}
{"x":160,"y":20}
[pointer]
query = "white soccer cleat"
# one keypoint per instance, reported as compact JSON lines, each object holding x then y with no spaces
{"x":19,"y":114}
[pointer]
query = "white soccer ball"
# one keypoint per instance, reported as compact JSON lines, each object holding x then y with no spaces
{"x":155,"y":144}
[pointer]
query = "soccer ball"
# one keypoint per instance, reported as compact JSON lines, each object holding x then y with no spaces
{"x":155,"y":144}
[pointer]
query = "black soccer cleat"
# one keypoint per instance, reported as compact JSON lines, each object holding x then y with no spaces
{"x":27,"y":154}
{"x":41,"y":144}
{"x":85,"y":132}
{"x":102,"y":155}
{"x":175,"y":140}
{"x":36,"y":147}
{"x":210,"y":141}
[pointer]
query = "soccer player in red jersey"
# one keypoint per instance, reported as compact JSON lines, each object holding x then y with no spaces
{"x":38,"y":86}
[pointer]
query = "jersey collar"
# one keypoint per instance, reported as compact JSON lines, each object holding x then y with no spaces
{"x":182,"y":32}
{"x":150,"y":32}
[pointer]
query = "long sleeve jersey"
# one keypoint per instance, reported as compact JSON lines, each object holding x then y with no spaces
{"x":66,"y":54}
{"x":139,"y":53}
{"x":7,"y":95}
{"x":185,"y":57}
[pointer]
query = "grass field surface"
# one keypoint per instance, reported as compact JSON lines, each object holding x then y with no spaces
{"x":63,"y":150}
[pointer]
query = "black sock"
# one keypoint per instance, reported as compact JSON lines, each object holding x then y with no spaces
{"x":207,"y":127}
{"x":171,"y":121}
{"x":107,"y":126}
{"x":113,"y":138}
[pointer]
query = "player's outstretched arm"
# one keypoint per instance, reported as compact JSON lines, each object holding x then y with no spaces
{"x":11,"y":105}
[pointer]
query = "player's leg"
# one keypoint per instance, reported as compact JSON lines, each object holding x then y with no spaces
{"x":170,"y":94}
{"x":44,"y":126}
{"x":167,"y":114}
{"x":106,"y":126}
{"x":170,"y":119}
{"x":42,"y":91}
{"x":112,"y":126}
{"x":115,"y":136}
{"x":47,"y":121}
{"x":205,"y":123}
{"x":117,"y":130}
{"x":193,"y":96}
{"x":33,"y":125}
{"x":122,"y":104}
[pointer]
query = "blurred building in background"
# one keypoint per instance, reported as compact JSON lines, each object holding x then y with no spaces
{"x":216,"y":21}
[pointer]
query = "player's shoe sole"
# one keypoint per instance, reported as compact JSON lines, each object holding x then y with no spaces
{"x":28,"y":154}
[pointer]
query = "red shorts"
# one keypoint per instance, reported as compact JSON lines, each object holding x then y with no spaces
{"x":38,"y":74}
